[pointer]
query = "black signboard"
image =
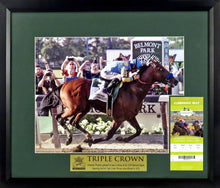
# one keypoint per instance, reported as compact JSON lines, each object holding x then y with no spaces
{"x":144,"y":50}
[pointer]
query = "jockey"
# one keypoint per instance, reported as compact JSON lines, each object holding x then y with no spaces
{"x":186,"y":126}
{"x":181,"y":122}
{"x":118,"y":71}
{"x":198,"y":123}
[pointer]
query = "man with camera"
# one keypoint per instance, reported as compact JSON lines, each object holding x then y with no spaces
{"x":69,"y":67}
{"x":49,"y":82}
{"x":91,"y":70}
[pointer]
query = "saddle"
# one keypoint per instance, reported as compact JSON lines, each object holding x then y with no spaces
{"x":96,"y":93}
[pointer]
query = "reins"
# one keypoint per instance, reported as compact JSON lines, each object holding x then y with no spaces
{"x":144,"y":83}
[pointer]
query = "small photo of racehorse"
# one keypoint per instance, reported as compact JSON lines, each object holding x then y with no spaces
{"x":181,"y":130}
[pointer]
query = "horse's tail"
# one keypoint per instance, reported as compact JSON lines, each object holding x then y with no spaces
{"x":51,"y":100}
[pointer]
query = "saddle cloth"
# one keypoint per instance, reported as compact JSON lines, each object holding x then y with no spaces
{"x":96,"y":90}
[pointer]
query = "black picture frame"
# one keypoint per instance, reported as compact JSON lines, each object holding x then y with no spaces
{"x":7,"y":7}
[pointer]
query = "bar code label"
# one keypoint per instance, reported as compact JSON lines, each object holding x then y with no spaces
{"x":186,"y":157}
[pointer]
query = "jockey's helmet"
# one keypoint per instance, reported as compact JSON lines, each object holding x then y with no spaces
{"x":181,"y":121}
{"x":196,"y":122}
{"x":136,"y":62}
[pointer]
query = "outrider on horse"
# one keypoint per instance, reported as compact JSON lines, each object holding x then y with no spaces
{"x":75,"y":94}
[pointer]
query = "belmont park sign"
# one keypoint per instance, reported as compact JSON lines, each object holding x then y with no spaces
{"x":147,"y":47}
{"x":144,"y":48}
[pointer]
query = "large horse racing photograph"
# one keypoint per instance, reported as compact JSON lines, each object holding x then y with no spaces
{"x":106,"y":94}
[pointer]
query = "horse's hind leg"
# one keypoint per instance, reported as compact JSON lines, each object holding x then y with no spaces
{"x":75,"y":122}
{"x":135,"y":124}
{"x":62,"y":122}
{"x":61,"y":118}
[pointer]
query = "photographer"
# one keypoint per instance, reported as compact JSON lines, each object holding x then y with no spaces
{"x":90,"y":70}
{"x":70,"y":64}
{"x":49,"y":82}
{"x":39,"y":73}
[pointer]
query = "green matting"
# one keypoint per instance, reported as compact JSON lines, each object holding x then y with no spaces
{"x":25,"y":26}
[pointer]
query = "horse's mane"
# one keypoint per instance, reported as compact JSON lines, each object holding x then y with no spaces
{"x":143,"y":69}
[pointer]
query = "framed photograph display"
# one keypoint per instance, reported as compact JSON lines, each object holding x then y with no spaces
{"x":154,"y":123}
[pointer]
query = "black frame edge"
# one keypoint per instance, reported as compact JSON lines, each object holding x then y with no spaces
{"x":5,"y":77}
{"x":100,"y":5}
{"x":2,"y":94}
{"x":8,"y":94}
{"x":211,"y":96}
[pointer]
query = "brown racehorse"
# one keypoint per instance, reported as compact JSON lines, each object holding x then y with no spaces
{"x":198,"y":131}
{"x":74,"y":95}
{"x":179,"y":129}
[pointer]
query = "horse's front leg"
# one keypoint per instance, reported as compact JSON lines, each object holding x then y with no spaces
{"x":135,"y":124}
{"x":111,"y":132}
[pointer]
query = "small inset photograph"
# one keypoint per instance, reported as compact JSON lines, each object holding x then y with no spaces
{"x":186,"y":122}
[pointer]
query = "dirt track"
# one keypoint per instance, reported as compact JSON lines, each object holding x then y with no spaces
{"x":141,"y":144}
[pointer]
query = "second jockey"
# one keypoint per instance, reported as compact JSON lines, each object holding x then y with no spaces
{"x":118,"y":71}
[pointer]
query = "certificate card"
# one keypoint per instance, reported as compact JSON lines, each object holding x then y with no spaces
{"x":110,"y":95}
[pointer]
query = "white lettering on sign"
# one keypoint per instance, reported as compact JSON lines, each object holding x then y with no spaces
{"x":150,"y":108}
{"x":147,"y":44}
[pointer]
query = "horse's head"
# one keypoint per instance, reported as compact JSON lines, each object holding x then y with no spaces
{"x":161,"y":74}
{"x":158,"y":74}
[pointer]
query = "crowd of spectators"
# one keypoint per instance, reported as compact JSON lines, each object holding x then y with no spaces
{"x":46,"y":80}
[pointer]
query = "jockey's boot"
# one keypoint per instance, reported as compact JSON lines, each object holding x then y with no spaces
{"x":110,"y":88}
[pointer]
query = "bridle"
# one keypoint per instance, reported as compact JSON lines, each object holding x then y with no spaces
{"x":170,"y":75}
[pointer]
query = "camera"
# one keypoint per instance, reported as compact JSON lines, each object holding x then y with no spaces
{"x":70,"y":59}
{"x":49,"y":72}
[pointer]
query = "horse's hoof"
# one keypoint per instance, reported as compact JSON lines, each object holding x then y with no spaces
{"x":119,"y":138}
{"x":126,"y":140}
{"x":90,"y":144}
{"x":68,"y":141}
{"x":89,"y":141}
{"x":78,"y":149}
